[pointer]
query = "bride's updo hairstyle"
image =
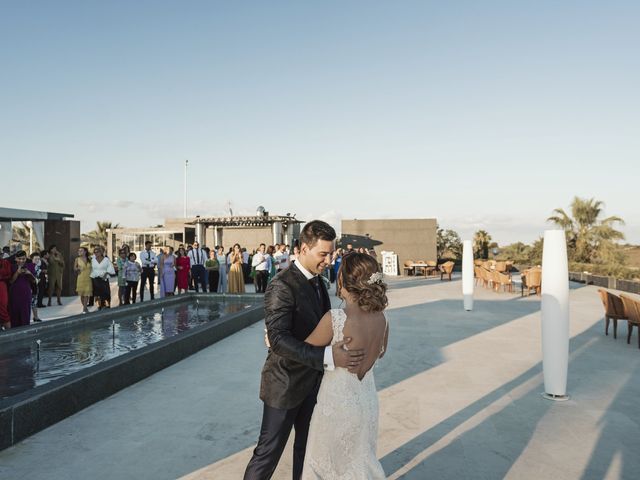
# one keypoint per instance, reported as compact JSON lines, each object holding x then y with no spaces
{"x":360,"y":275}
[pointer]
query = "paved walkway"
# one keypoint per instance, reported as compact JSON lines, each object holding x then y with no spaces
{"x":459,"y":397}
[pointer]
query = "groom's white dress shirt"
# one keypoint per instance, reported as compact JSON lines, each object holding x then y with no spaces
{"x":328,"y":352}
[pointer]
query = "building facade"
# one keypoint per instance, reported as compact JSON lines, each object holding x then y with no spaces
{"x":410,"y":239}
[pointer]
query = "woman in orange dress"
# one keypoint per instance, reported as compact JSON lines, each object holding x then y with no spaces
{"x":236,"y":277}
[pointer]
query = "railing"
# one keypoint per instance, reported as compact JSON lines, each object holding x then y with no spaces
{"x":614,"y":283}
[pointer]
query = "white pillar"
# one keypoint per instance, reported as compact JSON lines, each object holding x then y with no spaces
{"x":200,"y":233}
{"x":288,"y":235}
{"x":277,"y":232}
{"x":555,"y":314}
{"x":217,"y":236}
{"x":467,"y":275}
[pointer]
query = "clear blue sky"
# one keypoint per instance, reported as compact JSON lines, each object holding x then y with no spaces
{"x":480,"y":114}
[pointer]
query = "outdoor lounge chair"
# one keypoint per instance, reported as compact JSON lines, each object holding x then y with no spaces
{"x":408,"y":268}
{"x":446,"y":269}
{"x":502,"y":280}
{"x":432,"y":269}
{"x":487,"y":279}
{"x":613,"y":310}
{"x":531,"y":280}
{"x":632,"y":310}
{"x":477,"y":273}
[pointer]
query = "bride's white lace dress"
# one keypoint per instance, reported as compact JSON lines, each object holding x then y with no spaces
{"x":344,"y":427}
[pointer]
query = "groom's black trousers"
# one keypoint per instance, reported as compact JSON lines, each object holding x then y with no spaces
{"x":274,"y":433}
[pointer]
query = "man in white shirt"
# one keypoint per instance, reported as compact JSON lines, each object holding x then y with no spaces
{"x":149,"y":261}
{"x":261,"y":264}
{"x":281,"y":258}
{"x":197,"y":257}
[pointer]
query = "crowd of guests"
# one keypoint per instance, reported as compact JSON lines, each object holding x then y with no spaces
{"x":26,"y":280}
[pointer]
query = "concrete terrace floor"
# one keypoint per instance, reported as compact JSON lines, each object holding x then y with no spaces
{"x":459,"y":398}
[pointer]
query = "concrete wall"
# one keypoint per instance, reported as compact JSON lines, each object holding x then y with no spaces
{"x":65,"y":235}
{"x":247,"y":237}
{"x":413,"y":239}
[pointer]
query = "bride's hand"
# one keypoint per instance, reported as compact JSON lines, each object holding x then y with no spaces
{"x":349,"y":359}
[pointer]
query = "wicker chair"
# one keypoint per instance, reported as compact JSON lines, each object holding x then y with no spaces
{"x":432,"y":269}
{"x":613,"y":310}
{"x":487,"y":280}
{"x":408,"y":268}
{"x":632,"y":310}
{"x":532,"y":280}
{"x":446,"y":269}
{"x":504,"y":281}
{"x":477,"y":273}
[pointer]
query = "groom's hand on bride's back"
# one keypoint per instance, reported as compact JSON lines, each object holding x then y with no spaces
{"x":345,"y":358}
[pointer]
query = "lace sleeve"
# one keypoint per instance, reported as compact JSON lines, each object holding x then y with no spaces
{"x":337,"y":321}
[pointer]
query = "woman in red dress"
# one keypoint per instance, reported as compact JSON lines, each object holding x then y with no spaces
{"x":183,"y":267}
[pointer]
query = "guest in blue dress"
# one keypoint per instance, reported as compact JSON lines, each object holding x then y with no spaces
{"x":167,"y":272}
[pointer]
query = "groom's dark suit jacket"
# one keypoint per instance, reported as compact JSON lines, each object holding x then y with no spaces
{"x":292,"y":311}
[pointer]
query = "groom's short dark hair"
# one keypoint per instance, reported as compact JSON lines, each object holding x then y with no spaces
{"x":317,"y":230}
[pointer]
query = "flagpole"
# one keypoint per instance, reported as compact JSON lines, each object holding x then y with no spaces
{"x":186,"y":165}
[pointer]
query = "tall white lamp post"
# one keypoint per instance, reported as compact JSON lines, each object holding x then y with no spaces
{"x":555,"y":315}
{"x":186,"y":166}
{"x":467,"y":275}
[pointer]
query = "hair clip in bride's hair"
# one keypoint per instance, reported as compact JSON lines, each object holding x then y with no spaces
{"x":375,"y":278}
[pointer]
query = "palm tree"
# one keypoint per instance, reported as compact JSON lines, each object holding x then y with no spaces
{"x":589,"y":240}
{"x":481,"y":241}
{"x":99,"y":235}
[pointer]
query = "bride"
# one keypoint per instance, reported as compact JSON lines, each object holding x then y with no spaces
{"x":344,"y":427}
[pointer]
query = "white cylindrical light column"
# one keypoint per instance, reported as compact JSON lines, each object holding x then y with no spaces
{"x":555,"y":315}
{"x":276,"y":229}
{"x":200,"y":233}
{"x":467,"y":275}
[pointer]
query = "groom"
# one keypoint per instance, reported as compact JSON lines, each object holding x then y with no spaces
{"x":295,"y":301}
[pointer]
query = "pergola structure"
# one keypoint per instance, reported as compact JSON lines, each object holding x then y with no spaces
{"x":249,"y":231}
{"x":284,"y":228}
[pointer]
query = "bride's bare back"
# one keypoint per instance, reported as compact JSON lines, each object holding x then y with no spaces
{"x":369,"y":333}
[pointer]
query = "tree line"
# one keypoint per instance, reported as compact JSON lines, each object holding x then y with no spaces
{"x":593,"y":242}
